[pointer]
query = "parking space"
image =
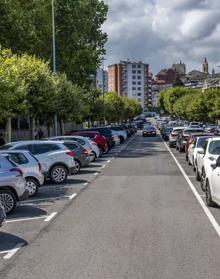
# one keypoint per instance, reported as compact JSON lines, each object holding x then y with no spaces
{"x":33,"y":215}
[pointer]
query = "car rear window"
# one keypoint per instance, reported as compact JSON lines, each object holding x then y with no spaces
{"x":18,"y":158}
{"x":37,"y":149}
{"x":214,"y":147}
{"x":71,"y":146}
{"x":80,"y":141}
{"x":201,"y":142}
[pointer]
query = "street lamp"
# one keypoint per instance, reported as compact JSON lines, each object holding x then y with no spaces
{"x":54,"y":58}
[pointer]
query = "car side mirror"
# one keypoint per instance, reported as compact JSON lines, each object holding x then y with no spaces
{"x":201,"y":151}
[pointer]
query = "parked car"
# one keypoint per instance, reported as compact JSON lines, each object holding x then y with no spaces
{"x":148,"y":131}
{"x":166,"y":131}
{"x":173,"y":135}
{"x":97,"y":137}
{"x":198,"y":142}
{"x":12,"y":185}
{"x":81,"y":155}
{"x":91,"y":146}
{"x":106,"y":132}
{"x":205,"y":157}
{"x":211,"y":184}
{"x":191,"y":139}
{"x":30,"y":166}
{"x":121,"y":132}
{"x":183,"y":137}
{"x":2,"y":215}
{"x":211,"y":128}
{"x":56,"y":159}
{"x":116,"y":138}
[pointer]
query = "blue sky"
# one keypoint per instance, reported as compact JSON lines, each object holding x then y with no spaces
{"x":162,"y":32}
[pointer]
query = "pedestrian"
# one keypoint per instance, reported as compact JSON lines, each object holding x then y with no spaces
{"x":35,"y":134}
{"x":2,"y":141}
{"x":40,"y":134}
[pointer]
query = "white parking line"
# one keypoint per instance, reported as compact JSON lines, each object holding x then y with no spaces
{"x":50,"y":217}
{"x":96,"y":173}
{"x":102,"y":167}
{"x":72,"y":196}
{"x":198,"y":197}
{"x":41,"y":199}
{"x":25,"y":219}
{"x":108,"y":161}
{"x":12,"y":252}
{"x":85,"y":184}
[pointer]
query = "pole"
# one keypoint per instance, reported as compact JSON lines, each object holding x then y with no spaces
{"x":54,"y":58}
{"x":103,"y":87}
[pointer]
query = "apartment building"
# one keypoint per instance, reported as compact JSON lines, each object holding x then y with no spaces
{"x":102,"y":80}
{"x":131,"y":79}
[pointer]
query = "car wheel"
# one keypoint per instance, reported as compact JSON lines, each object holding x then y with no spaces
{"x":93,"y":156}
{"x":121,"y":139}
{"x":208,"y":195}
{"x":8,"y":200}
{"x":197,"y":175}
{"x":100,"y":152}
{"x":32,"y":186}
{"x":202,"y":183}
{"x":77,"y":167}
{"x":58,"y":174}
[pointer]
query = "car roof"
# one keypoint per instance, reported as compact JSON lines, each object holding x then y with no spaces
{"x":32,"y":142}
{"x":214,"y":139}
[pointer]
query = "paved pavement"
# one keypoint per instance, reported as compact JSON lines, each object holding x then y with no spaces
{"x":138,"y":218}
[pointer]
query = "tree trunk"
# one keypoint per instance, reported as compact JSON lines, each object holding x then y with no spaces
{"x":48,"y":129}
{"x":62,"y":128}
{"x":32,"y":127}
{"x":8,"y":130}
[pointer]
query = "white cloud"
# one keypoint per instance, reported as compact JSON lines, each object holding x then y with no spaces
{"x":161,"y":32}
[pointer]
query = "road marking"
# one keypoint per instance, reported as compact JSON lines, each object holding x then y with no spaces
{"x":96,"y":173}
{"x":50,"y":217}
{"x":42,"y":199}
{"x":116,"y":154}
{"x":72,"y":196}
{"x":191,"y":176}
{"x":200,"y":200}
{"x":202,"y":195}
{"x":85,"y":184}
{"x":25,"y":219}
{"x":102,"y":167}
{"x":10,"y":253}
{"x":108,"y":161}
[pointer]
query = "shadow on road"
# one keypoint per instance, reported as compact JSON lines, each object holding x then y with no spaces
{"x":9,"y":241}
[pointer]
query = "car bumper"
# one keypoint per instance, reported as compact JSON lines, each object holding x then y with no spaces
{"x":71,"y":170}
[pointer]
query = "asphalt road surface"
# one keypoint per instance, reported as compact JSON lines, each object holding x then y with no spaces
{"x":138,"y":219}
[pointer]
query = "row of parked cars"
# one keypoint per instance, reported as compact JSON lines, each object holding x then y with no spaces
{"x":27,"y":165}
{"x":201,"y":145}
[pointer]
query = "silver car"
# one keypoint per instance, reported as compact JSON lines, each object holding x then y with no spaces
{"x":30,"y":166}
{"x":12,"y":185}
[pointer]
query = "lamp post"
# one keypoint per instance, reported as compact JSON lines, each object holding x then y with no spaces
{"x":54,"y":58}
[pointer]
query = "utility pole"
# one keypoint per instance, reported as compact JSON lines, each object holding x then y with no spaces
{"x":54,"y":58}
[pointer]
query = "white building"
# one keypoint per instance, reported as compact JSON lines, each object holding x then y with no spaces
{"x":136,"y":82}
{"x":102,"y":80}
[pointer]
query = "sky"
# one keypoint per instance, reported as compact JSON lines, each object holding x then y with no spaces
{"x":163,"y":32}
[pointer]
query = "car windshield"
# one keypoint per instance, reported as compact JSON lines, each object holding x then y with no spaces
{"x":190,"y":131}
{"x":169,"y":129}
{"x":214,"y":147}
{"x":5,"y":147}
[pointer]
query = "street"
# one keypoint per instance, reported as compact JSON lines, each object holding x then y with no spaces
{"x":132,"y":214}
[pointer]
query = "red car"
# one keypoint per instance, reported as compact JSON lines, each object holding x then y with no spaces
{"x":191,"y":138}
{"x":96,"y":137}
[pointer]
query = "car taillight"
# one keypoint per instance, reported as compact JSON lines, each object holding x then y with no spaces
{"x":39,"y":167}
{"x":69,"y":153}
{"x":173,"y":135}
{"x":20,"y":172}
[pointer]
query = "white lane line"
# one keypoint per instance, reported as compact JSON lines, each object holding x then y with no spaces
{"x":12,"y":252}
{"x":96,"y":173}
{"x":200,"y":200}
{"x":25,"y":219}
{"x":50,"y":217}
{"x":85,"y":184}
{"x":72,"y":196}
{"x":102,"y":167}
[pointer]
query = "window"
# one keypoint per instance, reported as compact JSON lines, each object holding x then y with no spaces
{"x":139,"y":94}
{"x":133,"y":66}
{"x":134,"y":77}
{"x":134,"y":82}
{"x":71,"y":146}
{"x":133,"y":72}
{"x":133,"y":88}
{"x":139,"y":88}
{"x":43,"y":148}
{"x":139,"y":71}
{"x":214,"y":147}
{"x":139,"y":83}
{"x":18,"y":158}
{"x":139,"y":66}
{"x":22,"y":147}
{"x":139,"y":77}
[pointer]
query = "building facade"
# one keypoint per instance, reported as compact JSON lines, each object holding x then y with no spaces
{"x":102,"y":80}
{"x":132,"y":80}
{"x":179,"y":68}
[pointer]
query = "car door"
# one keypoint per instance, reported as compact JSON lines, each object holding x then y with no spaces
{"x":201,"y":158}
{"x":43,"y":153}
{"x":215,"y":181}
